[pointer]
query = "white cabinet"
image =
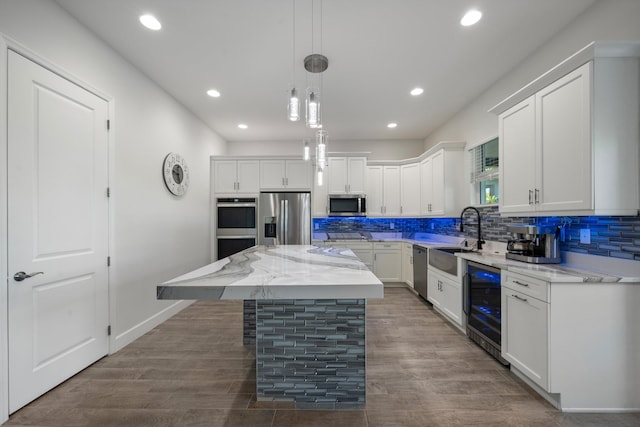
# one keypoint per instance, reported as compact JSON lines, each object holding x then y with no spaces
{"x":407,"y":263}
{"x":387,"y":261}
{"x":446,"y":296}
{"x":319,"y":199}
{"x":572,"y":147}
{"x":347,"y":175}
{"x":410,"y":189}
{"x":525,"y":341}
{"x":280,"y":174}
{"x":442,"y":181}
{"x":383,"y":195}
{"x":236,"y":176}
{"x":363,"y":250}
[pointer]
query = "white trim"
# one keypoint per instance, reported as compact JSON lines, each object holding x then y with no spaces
{"x":6,"y":44}
{"x":4,"y":284}
{"x":132,"y":334}
{"x":470,"y":146}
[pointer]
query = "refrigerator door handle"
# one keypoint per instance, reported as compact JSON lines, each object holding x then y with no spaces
{"x":282,"y":223}
{"x":466,"y":293}
{"x":286,"y":221}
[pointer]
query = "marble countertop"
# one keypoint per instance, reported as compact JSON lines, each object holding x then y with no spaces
{"x":280,"y":272}
{"x":573,"y":269}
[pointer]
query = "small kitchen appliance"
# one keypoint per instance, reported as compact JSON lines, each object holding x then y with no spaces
{"x":534,"y":244}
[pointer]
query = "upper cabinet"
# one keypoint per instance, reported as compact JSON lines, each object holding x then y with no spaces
{"x":236,"y":176}
{"x":410,"y":189}
{"x":279,"y":174}
{"x":347,"y":175}
{"x":569,"y":141}
{"x":442,"y":187}
{"x":383,"y":195}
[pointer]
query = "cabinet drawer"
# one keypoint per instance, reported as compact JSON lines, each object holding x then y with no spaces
{"x":387,"y":245}
{"x":527,"y":285}
{"x":355,"y":245}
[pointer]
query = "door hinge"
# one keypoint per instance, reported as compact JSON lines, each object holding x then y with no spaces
{"x":109,"y":330}
{"x":108,"y":124}
{"x":108,"y":192}
{"x":108,"y":261}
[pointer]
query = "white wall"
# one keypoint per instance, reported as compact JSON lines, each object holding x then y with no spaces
{"x":153,"y":236}
{"x":379,"y":149}
{"x":605,"y":20}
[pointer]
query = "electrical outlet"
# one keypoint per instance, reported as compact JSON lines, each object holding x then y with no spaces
{"x":585,"y":236}
{"x":392,"y":226}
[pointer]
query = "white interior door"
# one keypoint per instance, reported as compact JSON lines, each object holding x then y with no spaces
{"x":57,"y":225}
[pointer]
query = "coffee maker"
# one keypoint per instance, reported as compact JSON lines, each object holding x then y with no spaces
{"x":534,"y":244}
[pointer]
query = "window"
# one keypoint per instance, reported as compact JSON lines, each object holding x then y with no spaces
{"x":484,"y":173}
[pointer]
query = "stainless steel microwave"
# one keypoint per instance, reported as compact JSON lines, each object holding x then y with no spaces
{"x":347,"y":205}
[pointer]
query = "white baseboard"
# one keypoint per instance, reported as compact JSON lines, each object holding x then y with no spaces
{"x":127,"y":337}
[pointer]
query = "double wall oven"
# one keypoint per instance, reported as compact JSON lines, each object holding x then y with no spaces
{"x":235,"y":224}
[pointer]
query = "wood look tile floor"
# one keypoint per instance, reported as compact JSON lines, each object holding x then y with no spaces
{"x":193,"y":371}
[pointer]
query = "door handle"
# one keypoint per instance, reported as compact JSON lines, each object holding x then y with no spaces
{"x":21,"y":275}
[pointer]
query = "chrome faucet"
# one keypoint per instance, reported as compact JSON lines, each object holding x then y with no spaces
{"x":480,"y":241}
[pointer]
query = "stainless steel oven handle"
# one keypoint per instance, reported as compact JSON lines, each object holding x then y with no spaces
{"x":235,"y":236}
{"x":236,"y":205}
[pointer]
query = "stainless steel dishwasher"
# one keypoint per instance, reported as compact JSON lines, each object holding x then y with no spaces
{"x":420,"y":270}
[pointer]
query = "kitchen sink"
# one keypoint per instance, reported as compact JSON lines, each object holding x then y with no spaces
{"x":444,"y":259}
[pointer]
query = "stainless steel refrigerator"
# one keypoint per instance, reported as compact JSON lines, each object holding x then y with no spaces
{"x":284,"y":219}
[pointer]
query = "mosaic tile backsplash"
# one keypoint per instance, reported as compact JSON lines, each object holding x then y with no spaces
{"x":613,"y":236}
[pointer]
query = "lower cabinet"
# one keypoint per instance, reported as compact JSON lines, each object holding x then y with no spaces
{"x":446,"y":296}
{"x":387,"y":261}
{"x":363,"y":250}
{"x":524,"y":334}
{"x":407,"y":263}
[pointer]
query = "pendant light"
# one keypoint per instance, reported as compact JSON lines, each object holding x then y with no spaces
{"x":307,"y":155}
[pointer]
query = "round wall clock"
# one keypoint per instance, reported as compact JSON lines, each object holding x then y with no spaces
{"x":176,"y":174}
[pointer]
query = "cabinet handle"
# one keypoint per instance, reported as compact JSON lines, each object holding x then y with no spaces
{"x":537,"y":198}
{"x":520,"y":283}
{"x":520,"y":298}
{"x":411,"y":260}
{"x":400,"y":209}
{"x":530,"y":197}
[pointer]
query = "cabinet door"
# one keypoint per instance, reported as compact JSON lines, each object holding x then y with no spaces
{"x":319,"y":199}
{"x":224,"y":176}
{"x":410,"y":189}
{"x":248,"y":176}
{"x":524,"y":335}
{"x":452,"y":300}
{"x":426,"y":182}
{"x":356,"y":174}
{"x":437,"y":184}
{"x":337,"y":171}
{"x":387,"y":266}
{"x":375,"y":206}
{"x":563,"y":131}
{"x":517,"y":157}
{"x":391,"y":191}
{"x":434,"y":292}
{"x":272,"y":174}
{"x":407,"y":263}
{"x":298,"y":174}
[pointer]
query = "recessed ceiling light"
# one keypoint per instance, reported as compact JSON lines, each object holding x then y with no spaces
{"x":243,"y":126}
{"x":150,"y":22}
{"x":416,"y":91}
{"x":213,"y":93}
{"x":471,"y":17}
{"x":392,"y":125}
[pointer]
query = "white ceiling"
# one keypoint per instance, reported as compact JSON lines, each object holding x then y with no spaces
{"x":378,"y":50}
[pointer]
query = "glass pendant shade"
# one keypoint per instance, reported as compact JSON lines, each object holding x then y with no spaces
{"x":293,"y":108}
{"x":321,"y":149}
{"x":307,"y":149}
{"x":313,"y":109}
{"x":319,"y":177}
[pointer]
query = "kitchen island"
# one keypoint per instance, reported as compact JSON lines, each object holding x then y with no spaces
{"x":304,"y":309}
